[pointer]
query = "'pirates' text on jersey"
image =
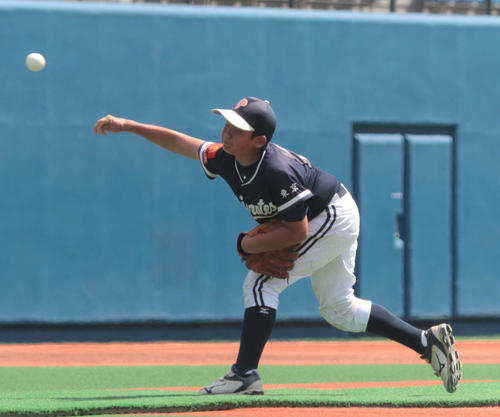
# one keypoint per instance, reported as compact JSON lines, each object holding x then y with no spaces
{"x":281,"y":183}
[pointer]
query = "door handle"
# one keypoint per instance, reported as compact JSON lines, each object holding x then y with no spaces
{"x":400,"y":225}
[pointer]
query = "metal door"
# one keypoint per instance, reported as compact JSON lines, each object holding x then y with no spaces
{"x":403,"y":184}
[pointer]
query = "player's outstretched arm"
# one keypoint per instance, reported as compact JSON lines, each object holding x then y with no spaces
{"x":168,"y":139}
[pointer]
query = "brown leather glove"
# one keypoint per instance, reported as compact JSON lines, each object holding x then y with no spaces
{"x":274,"y":263}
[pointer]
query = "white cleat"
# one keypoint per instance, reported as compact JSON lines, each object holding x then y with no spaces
{"x":232,"y":383}
{"x":442,"y":356}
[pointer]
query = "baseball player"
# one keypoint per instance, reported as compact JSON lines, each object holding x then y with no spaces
{"x":313,"y":216}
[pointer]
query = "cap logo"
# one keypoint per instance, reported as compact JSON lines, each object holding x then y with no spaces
{"x":241,"y":103}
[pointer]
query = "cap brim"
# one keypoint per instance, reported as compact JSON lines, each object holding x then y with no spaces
{"x":235,"y":119}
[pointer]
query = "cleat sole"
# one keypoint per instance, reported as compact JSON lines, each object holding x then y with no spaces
{"x":453,"y":373}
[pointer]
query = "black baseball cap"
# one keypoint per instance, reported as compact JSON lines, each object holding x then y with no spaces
{"x":253,"y":115}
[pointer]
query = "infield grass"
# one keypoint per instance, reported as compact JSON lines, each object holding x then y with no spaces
{"x":70,"y":391}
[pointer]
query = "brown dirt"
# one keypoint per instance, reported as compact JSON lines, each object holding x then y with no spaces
{"x":186,"y":353}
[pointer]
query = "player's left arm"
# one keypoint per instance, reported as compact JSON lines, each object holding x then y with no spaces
{"x":285,"y":235}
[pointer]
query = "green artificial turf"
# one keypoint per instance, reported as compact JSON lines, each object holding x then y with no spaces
{"x":26,"y":379}
{"x":58,"y":391}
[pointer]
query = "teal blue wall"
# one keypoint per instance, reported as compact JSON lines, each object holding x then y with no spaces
{"x":114,"y":228}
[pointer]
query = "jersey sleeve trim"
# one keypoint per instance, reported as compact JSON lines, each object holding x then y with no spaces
{"x":201,"y":149}
{"x":302,"y":196}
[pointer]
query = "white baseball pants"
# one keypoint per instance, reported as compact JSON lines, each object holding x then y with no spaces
{"x":327,"y":256}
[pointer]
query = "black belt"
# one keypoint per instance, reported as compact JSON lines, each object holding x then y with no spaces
{"x":342,"y":191}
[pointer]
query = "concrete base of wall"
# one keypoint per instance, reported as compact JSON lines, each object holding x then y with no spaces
{"x":157,"y":331}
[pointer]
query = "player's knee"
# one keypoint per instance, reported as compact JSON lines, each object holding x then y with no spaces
{"x":349,"y":314}
{"x":258,"y":292}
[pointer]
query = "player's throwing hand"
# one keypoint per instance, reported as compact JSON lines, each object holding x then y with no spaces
{"x":109,"y":123}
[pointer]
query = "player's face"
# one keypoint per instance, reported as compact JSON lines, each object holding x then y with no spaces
{"x":237,"y":141}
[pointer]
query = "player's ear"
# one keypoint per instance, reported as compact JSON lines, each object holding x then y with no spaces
{"x":260,"y":141}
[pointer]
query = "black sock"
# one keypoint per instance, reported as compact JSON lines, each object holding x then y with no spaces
{"x":257,"y":326}
{"x":384,"y":323}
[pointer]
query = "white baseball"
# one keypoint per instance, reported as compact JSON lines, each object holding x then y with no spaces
{"x":35,"y":61}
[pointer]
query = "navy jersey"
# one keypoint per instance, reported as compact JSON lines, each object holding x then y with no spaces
{"x":281,"y":183}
